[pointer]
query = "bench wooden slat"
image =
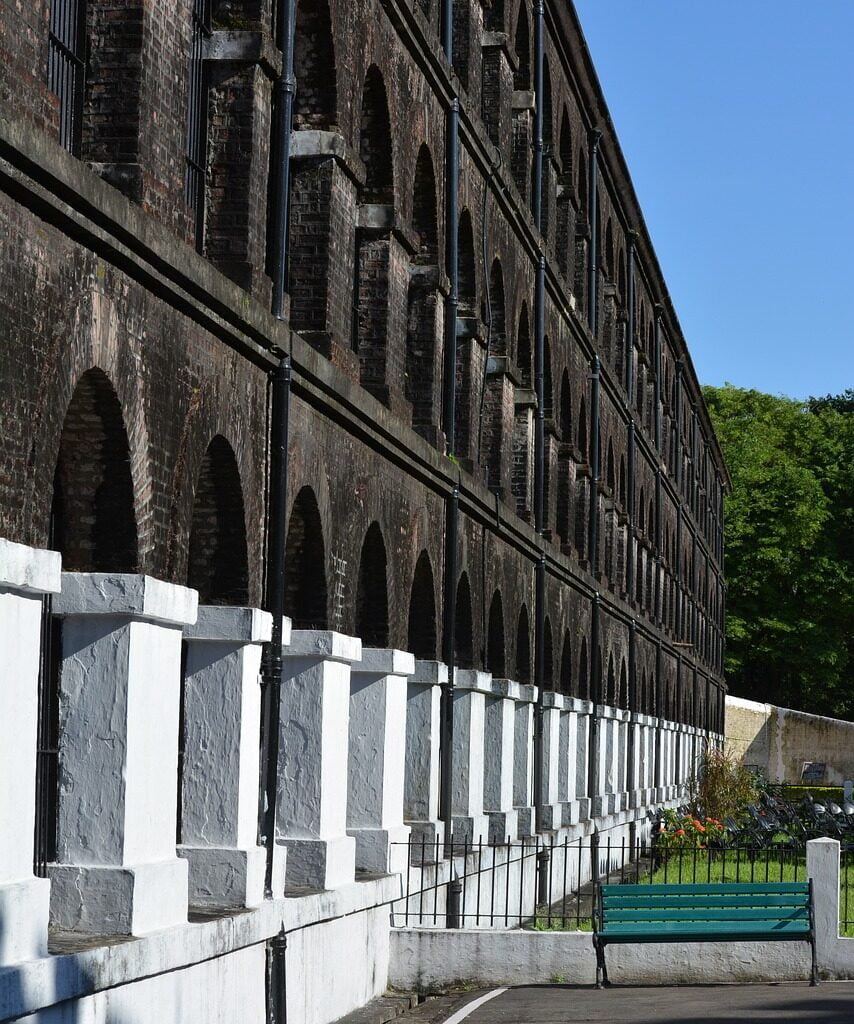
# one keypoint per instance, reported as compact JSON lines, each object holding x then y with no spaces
{"x":708,"y":914}
{"x":664,"y":930}
{"x":710,"y":901}
{"x":709,"y":888}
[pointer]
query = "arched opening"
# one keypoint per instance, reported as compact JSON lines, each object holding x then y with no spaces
{"x":370,"y":325}
{"x":565,"y":409}
{"x":565,"y":216}
{"x":624,"y":698}
{"x":375,"y":141}
{"x":316,"y":100}
{"x":548,"y":657}
{"x":492,"y":436}
{"x":422,"y":611}
{"x":372,"y":591}
{"x":495,"y":653}
{"x":583,"y":671}
{"x":523,"y":648}
{"x":611,"y":684}
{"x":94,"y":522}
{"x":217,"y":565}
{"x":305,"y":564}
{"x":523,"y":349}
{"x":548,"y":137}
{"x":582,"y":430}
{"x":422,"y":301}
{"x":467,"y":266}
{"x":467,"y":401}
{"x":610,"y":474}
{"x":461,"y":56}
{"x":464,"y":632}
{"x":566,"y":666}
{"x":548,"y":384}
{"x":621,"y":492}
{"x":522,"y":46}
{"x":494,"y":16}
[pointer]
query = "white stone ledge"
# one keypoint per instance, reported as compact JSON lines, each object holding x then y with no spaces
{"x":527,"y":693}
{"x":324,"y":645}
{"x":472,"y":679}
{"x":29,"y":987}
{"x":554,"y":700}
{"x":136,"y":596}
{"x":33,"y":570}
{"x":383,"y":661}
{"x":223,"y":624}
{"x":430,"y":673}
{"x":506,"y":688}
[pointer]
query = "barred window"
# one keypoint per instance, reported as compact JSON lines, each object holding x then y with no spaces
{"x":197,"y":118}
{"x":67,"y":68}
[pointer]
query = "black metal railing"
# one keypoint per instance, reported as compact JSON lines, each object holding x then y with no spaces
{"x":197,"y":118}
{"x":47,"y":752}
{"x":539,"y":883}
{"x":66,"y":68}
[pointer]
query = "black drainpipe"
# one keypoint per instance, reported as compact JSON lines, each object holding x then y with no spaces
{"x":659,"y":718}
{"x":630,"y":440}
{"x":593,"y":213}
{"x":593,"y":542}
{"x":632,"y":703}
{"x":596,"y":697}
{"x":678,"y":555}
{"x":274,"y":598}
{"x":593,"y":518}
{"x":449,"y":619}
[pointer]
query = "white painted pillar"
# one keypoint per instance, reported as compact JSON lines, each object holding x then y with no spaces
{"x":823,"y":869}
{"x":117,"y":871}
{"x":470,"y":690}
{"x":582,"y":756}
{"x":551,"y":813}
{"x":421,"y":772}
{"x":26,"y":574}
{"x":498,"y":763}
{"x":523,"y":760}
{"x":377,"y":759}
{"x":222,"y":711}
{"x":571,"y":812}
{"x":315,"y":725}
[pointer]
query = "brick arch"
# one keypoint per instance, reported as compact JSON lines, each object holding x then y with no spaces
{"x":523,"y":647}
{"x":372,"y":590}
{"x":464,"y":630}
{"x":217,"y":563}
{"x":422,"y":611}
{"x":375,"y":140}
{"x":495,"y":645}
{"x":305,"y":564}
{"x":93,"y":513}
{"x":316,"y":100}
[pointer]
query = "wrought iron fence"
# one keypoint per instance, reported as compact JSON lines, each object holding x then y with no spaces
{"x":543,"y":884}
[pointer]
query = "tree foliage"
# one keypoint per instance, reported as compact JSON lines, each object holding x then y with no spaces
{"x":789,"y":535}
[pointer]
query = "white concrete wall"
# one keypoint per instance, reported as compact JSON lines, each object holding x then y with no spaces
{"x":779,"y":741}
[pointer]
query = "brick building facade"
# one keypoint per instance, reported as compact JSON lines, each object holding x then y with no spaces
{"x":138,"y":149}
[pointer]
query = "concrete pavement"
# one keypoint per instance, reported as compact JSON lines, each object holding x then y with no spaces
{"x":828,"y":1003}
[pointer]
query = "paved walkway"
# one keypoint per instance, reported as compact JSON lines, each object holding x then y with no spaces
{"x":828,"y":1003}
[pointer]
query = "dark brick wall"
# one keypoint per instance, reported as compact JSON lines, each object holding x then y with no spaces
{"x":369,"y":158}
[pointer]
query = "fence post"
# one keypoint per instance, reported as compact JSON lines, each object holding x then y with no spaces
{"x":823,"y":869}
{"x":543,"y":895}
{"x":594,"y":856}
{"x":455,"y":892}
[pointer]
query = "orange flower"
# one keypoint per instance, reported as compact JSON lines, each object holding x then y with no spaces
{"x":680,"y":831}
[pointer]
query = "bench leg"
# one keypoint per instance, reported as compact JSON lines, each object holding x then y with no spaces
{"x":601,"y":967}
{"x":814,"y":976}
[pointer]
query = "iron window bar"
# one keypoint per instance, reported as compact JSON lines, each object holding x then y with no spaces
{"x":67,"y":68}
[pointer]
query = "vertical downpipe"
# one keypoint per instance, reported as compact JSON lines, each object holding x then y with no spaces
{"x":630,"y":441}
{"x":659,"y":719}
{"x":596,"y":695}
{"x":274,"y":598}
{"x":277,"y":1003}
{"x":678,"y":558}
{"x":593,"y":209}
{"x":659,"y":522}
{"x":632,"y":704}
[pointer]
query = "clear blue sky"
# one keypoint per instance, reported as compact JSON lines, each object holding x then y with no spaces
{"x":736,"y":118}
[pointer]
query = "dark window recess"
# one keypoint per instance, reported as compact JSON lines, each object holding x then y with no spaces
{"x":197,"y":118}
{"x":66,"y":68}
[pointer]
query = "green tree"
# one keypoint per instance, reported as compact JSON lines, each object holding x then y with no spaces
{"x":789,"y":553}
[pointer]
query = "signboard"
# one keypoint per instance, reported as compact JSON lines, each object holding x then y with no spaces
{"x":813,"y":771}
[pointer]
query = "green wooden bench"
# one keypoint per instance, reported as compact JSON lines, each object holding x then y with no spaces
{"x":711,"y":912}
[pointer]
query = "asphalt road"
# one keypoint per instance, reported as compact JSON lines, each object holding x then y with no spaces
{"x":828,"y":1003}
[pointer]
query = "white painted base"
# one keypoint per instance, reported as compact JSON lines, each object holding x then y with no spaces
{"x":24,"y":909}
{"x":320,"y":863}
{"x":524,"y":822}
{"x":551,"y":818}
{"x":426,"y":841}
{"x":129,"y":900}
{"x":223,"y":876}
{"x":381,"y":850}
